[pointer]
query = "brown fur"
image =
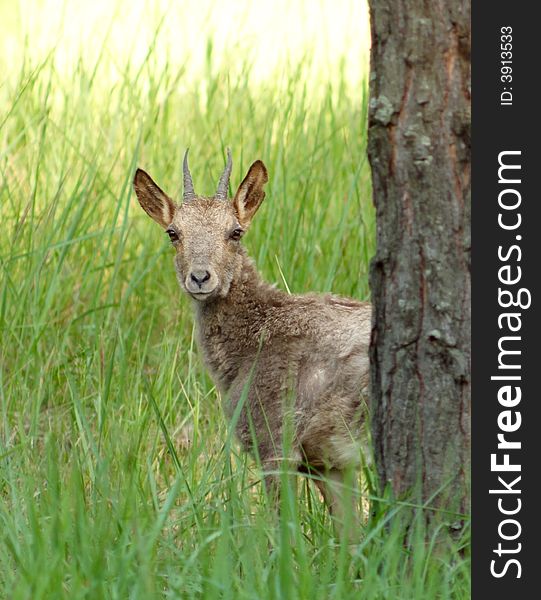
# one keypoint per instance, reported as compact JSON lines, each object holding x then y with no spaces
{"x":304,"y":357}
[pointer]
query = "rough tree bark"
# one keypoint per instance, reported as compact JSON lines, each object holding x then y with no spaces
{"x":419,"y":150}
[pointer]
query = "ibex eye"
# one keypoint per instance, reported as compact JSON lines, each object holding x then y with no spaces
{"x":173,"y":235}
{"x":236,"y":234}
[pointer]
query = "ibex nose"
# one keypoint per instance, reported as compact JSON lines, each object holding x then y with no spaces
{"x":199,"y":277}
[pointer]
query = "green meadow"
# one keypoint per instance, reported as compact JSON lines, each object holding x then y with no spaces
{"x":119,"y":475}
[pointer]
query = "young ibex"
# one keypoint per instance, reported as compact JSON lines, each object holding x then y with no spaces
{"x":304,"y":355}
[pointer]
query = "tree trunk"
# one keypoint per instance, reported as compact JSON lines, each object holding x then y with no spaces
{"x":419,"y":150}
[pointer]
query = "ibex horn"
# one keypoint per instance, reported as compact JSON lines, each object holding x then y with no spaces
{"x":223,"y":185}
{"x":189,"y":193}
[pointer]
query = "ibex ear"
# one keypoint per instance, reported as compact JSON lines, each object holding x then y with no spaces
{"x":155,"y":202}
{"x":250,"y":193}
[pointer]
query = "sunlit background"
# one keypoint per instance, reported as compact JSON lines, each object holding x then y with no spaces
{"x":330,"y":34}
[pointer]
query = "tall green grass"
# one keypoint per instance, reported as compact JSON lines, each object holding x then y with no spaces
{"x":119,"y":476}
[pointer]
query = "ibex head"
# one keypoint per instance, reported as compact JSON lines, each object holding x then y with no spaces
{"x":205,"y":231}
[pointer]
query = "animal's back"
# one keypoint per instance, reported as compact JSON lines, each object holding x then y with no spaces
{"x":312,"y":372}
